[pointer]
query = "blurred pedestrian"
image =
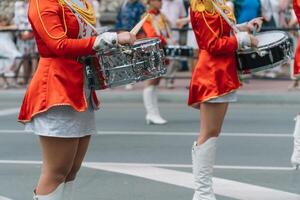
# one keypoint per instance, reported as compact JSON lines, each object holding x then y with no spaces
{"x":156,"y":26}
{"x":128,"y":16}
{"x":191,"y":41}
{"x":214,"y":82}
{"x":273,"y":12}
{"x":173,"y":10}
{"x":8,"y":51}
{"x":25,"y":41}
{"x":245,"y":10}
{"x":59,"y":103}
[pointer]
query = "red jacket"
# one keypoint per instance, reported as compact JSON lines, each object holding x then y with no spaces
{"x":59,"y":76}
{"x":296,"y":5}
{"x":157,"y":19}
{"x":216,"y":71}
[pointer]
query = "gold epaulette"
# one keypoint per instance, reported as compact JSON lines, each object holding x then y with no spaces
{"x":202,"y":5}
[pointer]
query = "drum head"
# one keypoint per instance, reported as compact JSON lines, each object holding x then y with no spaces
{"x":270,"y":38}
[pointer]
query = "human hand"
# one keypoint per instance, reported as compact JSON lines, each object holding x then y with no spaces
{"x":255,"y":24}
{"x":126,"y":38}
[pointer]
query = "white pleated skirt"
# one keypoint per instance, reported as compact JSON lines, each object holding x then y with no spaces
{"x":63,"y":122}
{"x":228,"y":98}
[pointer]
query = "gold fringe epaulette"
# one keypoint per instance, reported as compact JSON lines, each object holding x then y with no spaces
{"x":202,"y":5}
{"x":207,"y":6}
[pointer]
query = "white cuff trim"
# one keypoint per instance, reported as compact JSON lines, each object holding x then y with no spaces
{"x":108,"y":38}
{"x":111,"y":38}
{"x":243,"y":26}
{"x":243,"y":39}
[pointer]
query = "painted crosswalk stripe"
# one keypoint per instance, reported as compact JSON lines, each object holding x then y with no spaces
{"x":10,"y":111}
{"x":149,"y":133}
{"x":4,"y":198}
{"x":223,"y":187}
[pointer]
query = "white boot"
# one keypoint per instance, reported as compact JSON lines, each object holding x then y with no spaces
{"x":203,"y":161}
{"x":68,"y":190}
{"x":55,"y":195}
{"x":151,"y":105}
{"x":295,"y":159}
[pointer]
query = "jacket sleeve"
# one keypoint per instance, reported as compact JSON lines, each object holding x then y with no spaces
{"x":151,"y":33}
{"x":54,"y":28}
{"x":208,"y":40}
{"x":296,"y":7}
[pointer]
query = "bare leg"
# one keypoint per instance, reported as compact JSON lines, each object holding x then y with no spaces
{"x":58,"y":159}
{"x":81,"y":151}
{"x":69,"y":182}
{"x":204,"y":152}
{"x":212,"y":117}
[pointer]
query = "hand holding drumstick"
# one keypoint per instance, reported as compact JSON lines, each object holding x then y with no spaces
{"x":130,"y":37}
{"x":127,"y":38}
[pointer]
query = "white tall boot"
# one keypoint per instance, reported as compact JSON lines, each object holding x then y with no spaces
{"x":55,"y":195}
{"x":295,"y":159}
{"x":68,"y":190}
{"x":203,"y":161}
{"x":151,"y":105}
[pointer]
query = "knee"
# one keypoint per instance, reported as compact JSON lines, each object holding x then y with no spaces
{"x":207,"y":134}
{"x":57,"y":175}
{"x":72,"y":173}
{"x":212,"y":132}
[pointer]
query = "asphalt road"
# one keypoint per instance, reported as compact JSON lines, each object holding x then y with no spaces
{"x":130,"y":160}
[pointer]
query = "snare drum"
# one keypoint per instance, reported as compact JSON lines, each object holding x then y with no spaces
{"x":274,"y":48}
{"x":130,"y":64}
{"x":179,"y":52}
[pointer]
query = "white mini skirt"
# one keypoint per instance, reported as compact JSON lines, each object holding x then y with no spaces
{"x":228,"y":98}
{"x":64,"y":122}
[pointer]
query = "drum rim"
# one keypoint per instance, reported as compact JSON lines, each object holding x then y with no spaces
{"x":179,"y":47}
{"x":251,"y":50}
{"x":149,"y":41}
{"x":258,"y":69}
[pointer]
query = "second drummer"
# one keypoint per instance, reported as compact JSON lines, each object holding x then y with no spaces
{"x":155,"y":27}
{"x":214,"y":82}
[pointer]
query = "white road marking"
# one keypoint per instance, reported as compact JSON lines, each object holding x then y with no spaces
{"x":264,"y":168}
{"x":4,"y":198}
{"x":267,"y":135}
{"x":223,"y":187}
{"x":10,"y":111}
{"x":21,"y":162}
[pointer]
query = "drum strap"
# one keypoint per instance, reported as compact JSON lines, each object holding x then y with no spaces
{"x":90,"y":81}
{"x":225,"y":17}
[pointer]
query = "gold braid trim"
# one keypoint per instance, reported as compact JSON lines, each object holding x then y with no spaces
{"x":207,"y":6}
{"x":88,"y":13}
{"x":44,"y":26}
{"x":202,"y":5}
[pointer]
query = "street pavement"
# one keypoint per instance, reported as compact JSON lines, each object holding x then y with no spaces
{"x":130,"y":160}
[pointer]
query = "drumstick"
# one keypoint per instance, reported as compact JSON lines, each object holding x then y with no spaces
{"x":139,"y":25}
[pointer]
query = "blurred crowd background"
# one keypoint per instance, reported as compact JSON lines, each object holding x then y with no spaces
{"x":18,"y":53}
